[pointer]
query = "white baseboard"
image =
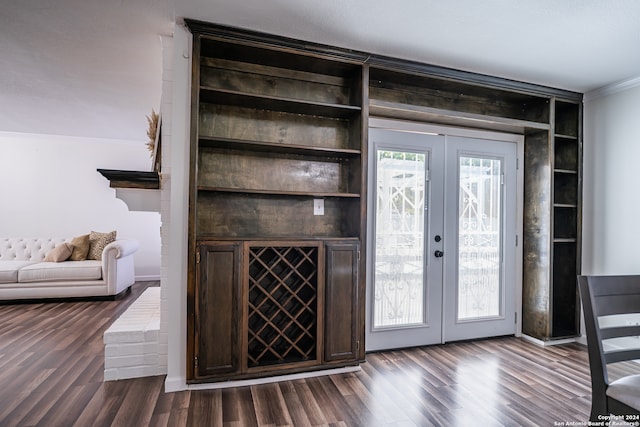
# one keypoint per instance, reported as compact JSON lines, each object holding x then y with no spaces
{"x":149,"y":278}
{"x":548,"y":343}
{"x":178,"y":384}
{"x":173,"y":384}
{"x":581,"y":340}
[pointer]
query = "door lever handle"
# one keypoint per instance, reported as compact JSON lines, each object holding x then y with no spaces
{"x":438,"y":254}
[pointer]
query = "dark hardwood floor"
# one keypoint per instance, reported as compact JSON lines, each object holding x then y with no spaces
{"x":51,"y":369}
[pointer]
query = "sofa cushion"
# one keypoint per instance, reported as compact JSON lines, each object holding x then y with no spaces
{"x":9,"y":270}
{"x":60,"y":253}
{"x":68,"y":270}
{"x":98,"y":241}
{"x":80,"y":248}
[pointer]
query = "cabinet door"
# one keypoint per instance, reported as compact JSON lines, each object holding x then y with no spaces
{"x":217,"y":306}
{"x":341,"y":302}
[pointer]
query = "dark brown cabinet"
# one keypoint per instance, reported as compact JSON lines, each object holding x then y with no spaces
{"x":265,"y":307}
{"x":342,"y":302}
{"x":277,"y":169}
{"x":217,"y":310}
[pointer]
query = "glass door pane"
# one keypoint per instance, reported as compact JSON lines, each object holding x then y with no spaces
{"x":480,"y":216}
{"x":399,"y":255}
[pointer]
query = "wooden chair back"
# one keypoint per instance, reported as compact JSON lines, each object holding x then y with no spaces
{"x":610,"y":296}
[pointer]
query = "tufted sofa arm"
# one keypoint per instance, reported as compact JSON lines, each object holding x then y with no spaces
{"x":117,"y":265}
{"x":122,"y":248}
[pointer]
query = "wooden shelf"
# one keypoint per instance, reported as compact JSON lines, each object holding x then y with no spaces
{"x":449,"y":117}
{"x":271,"y":72}
{"x":567,"y":119}
{"x":565,"y":154}
{"x":274,"y":103}
{"x":565,"y":205}
{"x":243,"y":215}
{"x":278,"y":193}
{"x":565,"y":240}
{"x":204,"y":237}
{"x":131,"y":179}
{"x":274,"y":147}
{"x":568,"y":171}
{"x":255,"y":49}
{"x":572,"y":137}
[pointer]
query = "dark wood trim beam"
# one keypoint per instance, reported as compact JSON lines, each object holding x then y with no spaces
{"x":131,"y":179}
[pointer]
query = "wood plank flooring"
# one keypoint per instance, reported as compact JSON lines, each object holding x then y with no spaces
{"x":52,"y":360}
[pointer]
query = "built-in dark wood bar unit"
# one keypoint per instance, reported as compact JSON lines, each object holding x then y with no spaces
{"x":278,"y":195}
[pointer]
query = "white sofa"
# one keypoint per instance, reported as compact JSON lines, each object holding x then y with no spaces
{"x":25,"y":275}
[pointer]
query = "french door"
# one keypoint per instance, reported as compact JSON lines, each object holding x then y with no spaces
{"x":442,"y":238}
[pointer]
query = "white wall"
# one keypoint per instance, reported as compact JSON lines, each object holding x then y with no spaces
{"x":49,"y":186}
{"x":611,"y":210}
{"x":175,"y":201}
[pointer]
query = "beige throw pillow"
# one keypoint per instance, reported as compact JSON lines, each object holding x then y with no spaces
{"x":60,"y":253}
{"x":97,"y":243}
{"x":80,"y":248}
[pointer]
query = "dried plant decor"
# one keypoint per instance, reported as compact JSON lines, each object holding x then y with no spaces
{"x":152,"y":131}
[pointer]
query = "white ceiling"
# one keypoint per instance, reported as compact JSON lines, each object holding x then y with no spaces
{"x":93,"y":67}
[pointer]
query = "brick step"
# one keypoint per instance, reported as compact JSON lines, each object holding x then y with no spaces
{"x":131,"y":342}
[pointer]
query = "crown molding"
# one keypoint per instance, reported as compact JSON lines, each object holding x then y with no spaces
{"x":612,"y":89}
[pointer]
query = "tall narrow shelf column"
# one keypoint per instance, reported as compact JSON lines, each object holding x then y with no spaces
{"x":552,"y":235}
{"x":567,"y":196}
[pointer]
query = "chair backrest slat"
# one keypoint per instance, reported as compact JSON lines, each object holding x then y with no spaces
{"x":614,"y":285}
{"x":620,"y":331}
{"x":607,"y":305}
{"x":614,"y":356}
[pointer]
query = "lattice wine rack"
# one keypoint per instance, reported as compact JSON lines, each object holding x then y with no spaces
{"x":283,"y":295}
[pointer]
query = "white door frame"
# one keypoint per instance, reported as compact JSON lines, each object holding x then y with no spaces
{"x":432,"y":147}
{"x":407,"y":126}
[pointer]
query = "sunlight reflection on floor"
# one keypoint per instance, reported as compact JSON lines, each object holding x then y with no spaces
{"x":477,"y":384}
